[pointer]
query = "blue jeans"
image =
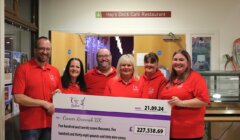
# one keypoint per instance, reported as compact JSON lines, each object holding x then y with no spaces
{"x":186,"y":139}
{"x":36,"y":134}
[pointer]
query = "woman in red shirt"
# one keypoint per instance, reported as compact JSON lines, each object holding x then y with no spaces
{"x":187,"y":92}
{"x":126,"y":83}
{"x":73,"y":77}
{"x":152,"y":80}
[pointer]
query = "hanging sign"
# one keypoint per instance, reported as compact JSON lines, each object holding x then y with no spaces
{"x":132,"y":14}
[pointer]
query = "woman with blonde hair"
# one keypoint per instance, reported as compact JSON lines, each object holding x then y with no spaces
{"x":126,"y":83}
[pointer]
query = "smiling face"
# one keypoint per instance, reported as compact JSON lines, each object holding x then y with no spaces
{"x":126,"y":69}
{"x":74,"y":69}
{"x":104,"y":59}
{"x":43,"y":50}
{"x":179,"y":63}
{"x":150,"y":66}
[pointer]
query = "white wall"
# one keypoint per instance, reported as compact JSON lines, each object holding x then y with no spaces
{"x":218,"y":19}
{"x":2,"y":99}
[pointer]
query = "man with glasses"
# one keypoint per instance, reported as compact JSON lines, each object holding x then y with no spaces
{"x":34,"y":83}
{"x":96,"y":78}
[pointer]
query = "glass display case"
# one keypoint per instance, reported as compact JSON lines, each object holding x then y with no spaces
{"x":224,"y":90}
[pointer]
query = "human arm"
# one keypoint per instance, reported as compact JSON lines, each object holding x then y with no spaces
{"x":56,"y":91}
{"x":25,"y":100}
{"x":191,"y":103}
{"x":199,"y":91}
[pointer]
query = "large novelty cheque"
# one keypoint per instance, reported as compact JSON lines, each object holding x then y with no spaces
{"x":115,"y":118}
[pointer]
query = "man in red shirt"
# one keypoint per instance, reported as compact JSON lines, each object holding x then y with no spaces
{"x":97,"y":78}
{"x":34,"y":84}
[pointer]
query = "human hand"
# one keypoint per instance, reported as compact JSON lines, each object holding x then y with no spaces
{"x":49,"y":107}
{"x":56,"y":91}
{"x":175,"y":101}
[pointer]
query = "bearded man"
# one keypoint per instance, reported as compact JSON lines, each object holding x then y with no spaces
{"x":97,"y":78}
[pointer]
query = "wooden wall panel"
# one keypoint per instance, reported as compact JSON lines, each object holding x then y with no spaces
{"x":155,"y":43}
{"x":62,"y":43}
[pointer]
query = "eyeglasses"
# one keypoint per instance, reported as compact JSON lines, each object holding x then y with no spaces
{"x":44,"y":49}
{"x":103,"y":56}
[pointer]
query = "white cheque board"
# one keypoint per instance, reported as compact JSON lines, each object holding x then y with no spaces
{"x":115,"y":118}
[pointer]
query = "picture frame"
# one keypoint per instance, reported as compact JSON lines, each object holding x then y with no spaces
{"x":201,"y":52}
{"x":207,"y":53}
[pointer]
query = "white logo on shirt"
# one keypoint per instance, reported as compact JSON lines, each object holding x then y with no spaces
{"x":51,"y":77}
{"x":135,"y":88}
{"x":150,"y":90}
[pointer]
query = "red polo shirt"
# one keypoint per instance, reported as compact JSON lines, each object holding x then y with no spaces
{"x":152,"y":86}
{"x":33,"y":81}
{"x":72,"y":89}
{"x":187,"y":122}
{"x":96,"y":82}
{"x":116,"y":87}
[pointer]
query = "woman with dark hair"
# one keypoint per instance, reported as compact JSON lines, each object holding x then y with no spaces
{"x":73,"y":77}
{"x":152,"y":80}
{"x":187,"y":93}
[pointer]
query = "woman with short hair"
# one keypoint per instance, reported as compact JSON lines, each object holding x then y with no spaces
{"x":126,"y":83}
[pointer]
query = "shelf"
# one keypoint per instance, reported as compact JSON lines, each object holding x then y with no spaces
{"x":220,"y":73}
{"x":222,"y":119}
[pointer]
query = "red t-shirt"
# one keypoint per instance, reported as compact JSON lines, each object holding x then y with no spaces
{"x":187,"y":122}
{"x":72,"y":89}
{"x":96,"y":82}
{"x":152,"y":86}
{"x":116,"y":87}
{"x":33,"y":81}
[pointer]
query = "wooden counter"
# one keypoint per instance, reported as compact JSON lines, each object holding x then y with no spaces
{"x":223,"y":112}
{"x":222,"y":119}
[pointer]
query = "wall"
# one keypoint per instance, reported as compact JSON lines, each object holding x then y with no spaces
{"x":155,"y":43}
{"x":64,"y":47}
{"x":2,"y":99}
{"x":219,"y":19}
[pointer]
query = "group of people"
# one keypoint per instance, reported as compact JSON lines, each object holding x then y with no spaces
{"x":36,"y":81}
